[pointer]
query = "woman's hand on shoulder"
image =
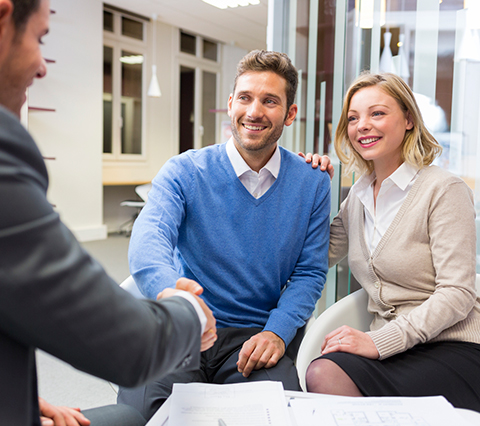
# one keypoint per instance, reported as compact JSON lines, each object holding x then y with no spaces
{"x":316,"y":160}
{"x":347,"y":339}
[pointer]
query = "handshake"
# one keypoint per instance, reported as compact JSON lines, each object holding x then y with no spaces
{"x":184,"y":284}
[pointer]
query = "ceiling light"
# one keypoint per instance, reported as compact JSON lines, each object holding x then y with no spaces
{"x":132,"y":60}
{"x":223,"y":4}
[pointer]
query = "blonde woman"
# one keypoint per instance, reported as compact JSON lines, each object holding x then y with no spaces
{"x":408,"y":229}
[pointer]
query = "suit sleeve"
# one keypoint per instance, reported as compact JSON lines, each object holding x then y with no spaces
{"x":54,"y":296}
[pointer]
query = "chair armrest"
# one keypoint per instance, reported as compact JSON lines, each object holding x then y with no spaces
{"x":131,"y":286}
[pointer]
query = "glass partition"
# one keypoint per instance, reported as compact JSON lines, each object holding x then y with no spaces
{"x":433,"y":45}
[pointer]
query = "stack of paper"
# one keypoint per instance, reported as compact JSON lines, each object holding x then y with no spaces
{"x":384,"y":411}
{"x":239,"y":404}
{"x":267,"y":404}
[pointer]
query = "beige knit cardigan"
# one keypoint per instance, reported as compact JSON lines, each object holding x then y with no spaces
{"x":421,"y":277}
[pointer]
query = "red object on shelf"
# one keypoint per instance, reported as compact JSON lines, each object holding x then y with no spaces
{"x":49,"y":61}
{"x":30,"y":108}
{"x":49,"y":158}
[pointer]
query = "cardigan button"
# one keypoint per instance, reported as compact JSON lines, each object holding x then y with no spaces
{"x":377,"y":284}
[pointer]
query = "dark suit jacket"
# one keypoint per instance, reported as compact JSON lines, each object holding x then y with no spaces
{"x":55,"y":297}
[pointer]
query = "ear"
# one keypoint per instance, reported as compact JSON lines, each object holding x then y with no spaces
{"x":230,"y":100}
{"x":409,"y":121}
{"x":6,"y":10}
{"x":292,"y":112}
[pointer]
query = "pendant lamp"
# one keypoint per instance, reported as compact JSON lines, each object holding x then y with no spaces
{"x":154,"y":88}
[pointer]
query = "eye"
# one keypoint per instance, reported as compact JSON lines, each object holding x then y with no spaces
{"x":378,"y":113}
{"x":242,"y":98}
{"x":351,"y":118}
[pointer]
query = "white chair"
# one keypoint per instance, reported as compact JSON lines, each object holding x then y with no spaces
{"x":131,"y":286}
{"x":351,"y":310}
{"x":142,"y":191}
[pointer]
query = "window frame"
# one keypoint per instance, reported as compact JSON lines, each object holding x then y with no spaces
{"x":119,"y":43}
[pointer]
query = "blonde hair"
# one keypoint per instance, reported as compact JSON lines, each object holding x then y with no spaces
{"x":419,"y":147}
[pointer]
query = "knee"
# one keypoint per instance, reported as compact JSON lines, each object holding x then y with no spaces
{"x":313,"y":377}
{"x":322,"y":376}
{"x":325,"y":376}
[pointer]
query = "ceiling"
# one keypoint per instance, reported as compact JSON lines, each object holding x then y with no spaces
{"x":245,"y":27}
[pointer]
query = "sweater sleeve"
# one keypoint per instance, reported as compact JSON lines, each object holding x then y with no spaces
{"x":308,"y":278}
{"x":155,"y":232}
{"x":338,"y":248}
{"x":451,"y":230}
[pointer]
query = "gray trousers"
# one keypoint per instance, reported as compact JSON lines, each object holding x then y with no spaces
{"x":114,"y":415}
{"x":218,"y":365}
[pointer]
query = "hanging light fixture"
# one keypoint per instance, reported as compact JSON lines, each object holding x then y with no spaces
{"x":154,"y":88}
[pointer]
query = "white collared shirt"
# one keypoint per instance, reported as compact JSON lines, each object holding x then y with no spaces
{"x":392,"y":194}
{"x":255,"y":183}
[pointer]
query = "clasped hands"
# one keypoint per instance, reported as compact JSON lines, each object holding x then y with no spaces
{"x":210,"y":334}
{"x":261,"y":350}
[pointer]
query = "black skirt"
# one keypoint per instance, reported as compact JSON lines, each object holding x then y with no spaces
{"x":451,"y":369}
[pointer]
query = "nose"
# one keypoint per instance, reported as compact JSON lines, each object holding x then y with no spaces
{"x":42,"y":69}
{"x":255,"y":109}
{"x":364,"y":124}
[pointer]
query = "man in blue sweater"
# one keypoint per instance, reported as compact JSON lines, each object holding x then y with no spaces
{"x":247,"y":220}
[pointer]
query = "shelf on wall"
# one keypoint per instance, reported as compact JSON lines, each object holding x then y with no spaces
{"x":31,"y":108}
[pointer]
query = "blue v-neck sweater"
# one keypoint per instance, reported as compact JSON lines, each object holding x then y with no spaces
{"x":262,"y":262}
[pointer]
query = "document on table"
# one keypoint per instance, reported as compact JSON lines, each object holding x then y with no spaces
{"x":372,"y":411}
{"x":239,"y":404}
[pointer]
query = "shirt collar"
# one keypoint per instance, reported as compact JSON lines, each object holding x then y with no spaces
{"x":400,"y":177}
{"x":403,"y":175}
{"x":240,"y":166}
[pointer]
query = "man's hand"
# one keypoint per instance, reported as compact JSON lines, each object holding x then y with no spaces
{"x":316,"y":159}
{"x":262,"y":350}
{"x":209,"y":337}
{"x":347,"y":339}
{"x":51,"y":415}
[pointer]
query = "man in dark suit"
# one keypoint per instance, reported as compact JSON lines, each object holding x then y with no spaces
{"x":53,"y":295}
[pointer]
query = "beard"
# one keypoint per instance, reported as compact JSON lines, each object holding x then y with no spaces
{"x":256,"y":144}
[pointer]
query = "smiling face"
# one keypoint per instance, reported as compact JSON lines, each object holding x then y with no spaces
{"x":377,"y":126}
{"x":20,"y":59}
{"x":258,"y":111}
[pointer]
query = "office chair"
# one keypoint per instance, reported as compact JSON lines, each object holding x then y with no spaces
{"x":130,"y":285}
{"x":142,"y":192}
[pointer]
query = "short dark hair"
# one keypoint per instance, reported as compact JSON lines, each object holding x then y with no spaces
{"x":279,"y":63}
{"x":22,"y":10}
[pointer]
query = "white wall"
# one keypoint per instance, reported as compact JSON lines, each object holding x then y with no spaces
{"x":73,"y":134}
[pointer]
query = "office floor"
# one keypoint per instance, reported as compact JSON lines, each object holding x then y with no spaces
{"x":61,"y":384}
